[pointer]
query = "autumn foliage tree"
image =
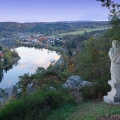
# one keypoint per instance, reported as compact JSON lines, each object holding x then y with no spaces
{"x":93,"y":65}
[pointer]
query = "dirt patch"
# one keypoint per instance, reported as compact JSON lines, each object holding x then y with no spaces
{"x":77,"y":95}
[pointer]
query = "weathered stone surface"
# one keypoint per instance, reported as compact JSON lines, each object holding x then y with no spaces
{"x":75,"y":83}
{"x":85,"y":83}
{"x":114,"y":95}
{"x":72,"y":82}
{"x":114,"y":54}
{"x":52,"y":88}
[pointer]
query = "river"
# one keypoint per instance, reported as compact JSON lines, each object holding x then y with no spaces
{"x":31,"y":58}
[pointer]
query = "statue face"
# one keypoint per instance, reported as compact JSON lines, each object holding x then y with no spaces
{"x":115,"y":44}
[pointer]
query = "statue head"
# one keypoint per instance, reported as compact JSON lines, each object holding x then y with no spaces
{"x":115,"y":44}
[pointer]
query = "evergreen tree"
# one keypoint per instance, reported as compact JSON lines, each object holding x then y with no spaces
{"x":1,"y":75}
{"x":70,"y":52}
{"x":0,"y":48}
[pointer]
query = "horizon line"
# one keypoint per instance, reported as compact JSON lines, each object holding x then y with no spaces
{"x":57,"y":21}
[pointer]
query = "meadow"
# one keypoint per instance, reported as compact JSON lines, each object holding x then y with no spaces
{"x":81,"y":31}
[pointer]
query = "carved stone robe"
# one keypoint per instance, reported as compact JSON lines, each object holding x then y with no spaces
{"x":114,"y":55}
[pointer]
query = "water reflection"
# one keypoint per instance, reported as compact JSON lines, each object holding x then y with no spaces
{"x":1,"y":75}
{"x":8,"y":68}
{"x":31,"y":58}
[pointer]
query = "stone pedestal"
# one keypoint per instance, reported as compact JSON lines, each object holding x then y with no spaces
{"x":113,"y":96}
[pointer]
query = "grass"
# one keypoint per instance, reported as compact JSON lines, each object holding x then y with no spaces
{"x":68,"y":111}
{"x":54,"y":48}
{"x":93,"y":111}
{"x":81,"y":31}
{"x":61,"y":113}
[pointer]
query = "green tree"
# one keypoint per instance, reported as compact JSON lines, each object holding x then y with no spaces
{"x":7,"y":57}
{"x":69,"y":52}
{"x":94,"y":65}
{"x":114,"y":18}
{"x":0,"y":48}
{"x":1,"y":75}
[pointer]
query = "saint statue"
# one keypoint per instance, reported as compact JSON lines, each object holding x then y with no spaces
{"x":114,"y":54}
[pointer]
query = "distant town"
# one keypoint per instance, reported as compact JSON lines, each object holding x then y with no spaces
{"x":46,"y":33}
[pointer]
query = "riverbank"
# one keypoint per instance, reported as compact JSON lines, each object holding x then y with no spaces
{"x":62,"y":51}
{"x":38,"y":45}
{"x":60,"y":61}
{"x":14,"y":60}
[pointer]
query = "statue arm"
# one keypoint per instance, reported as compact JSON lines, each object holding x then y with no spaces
{"x":114,"y":54}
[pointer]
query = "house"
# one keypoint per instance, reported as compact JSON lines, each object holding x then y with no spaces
{"x":35,"y":35}
{"x":1,"y":54}
{"x":74,"y":52}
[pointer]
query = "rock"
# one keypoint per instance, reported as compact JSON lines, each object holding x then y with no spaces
{"x":72,"y":83}
{"x":52,"y":88}
{"x":75,"y":83}
{"x":85,"y":83}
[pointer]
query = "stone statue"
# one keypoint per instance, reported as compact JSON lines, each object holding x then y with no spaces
{"x":113,"y":97}
{"x":114,"y":54}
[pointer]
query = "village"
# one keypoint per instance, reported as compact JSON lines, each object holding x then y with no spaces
{"x":41,"y":39}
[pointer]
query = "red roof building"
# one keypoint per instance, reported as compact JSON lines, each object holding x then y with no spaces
{"x":1,"y":54}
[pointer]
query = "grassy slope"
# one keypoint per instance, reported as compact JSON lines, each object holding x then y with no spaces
{"x":81,"y":31}
{"x":92,"y":111}
{"x":61,"y":113}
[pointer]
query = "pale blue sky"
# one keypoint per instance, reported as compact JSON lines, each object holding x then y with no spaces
{"x":51,"y":10}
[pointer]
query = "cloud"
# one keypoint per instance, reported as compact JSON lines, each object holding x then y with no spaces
{"x":44,"y":62}
{"x":23,"y":65}
{"x":8,"y":82}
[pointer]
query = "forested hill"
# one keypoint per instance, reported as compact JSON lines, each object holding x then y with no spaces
{"x":47,"y":28}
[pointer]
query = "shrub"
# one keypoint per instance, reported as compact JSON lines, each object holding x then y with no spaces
{"x":88,"y":93}
{"x":97,"y":90}
{"x":36,"y":106}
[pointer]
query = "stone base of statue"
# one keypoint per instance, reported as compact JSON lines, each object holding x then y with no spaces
{"x":113,"y":96}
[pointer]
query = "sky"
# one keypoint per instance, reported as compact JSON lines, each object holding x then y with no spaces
{"x":51,"y":10}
